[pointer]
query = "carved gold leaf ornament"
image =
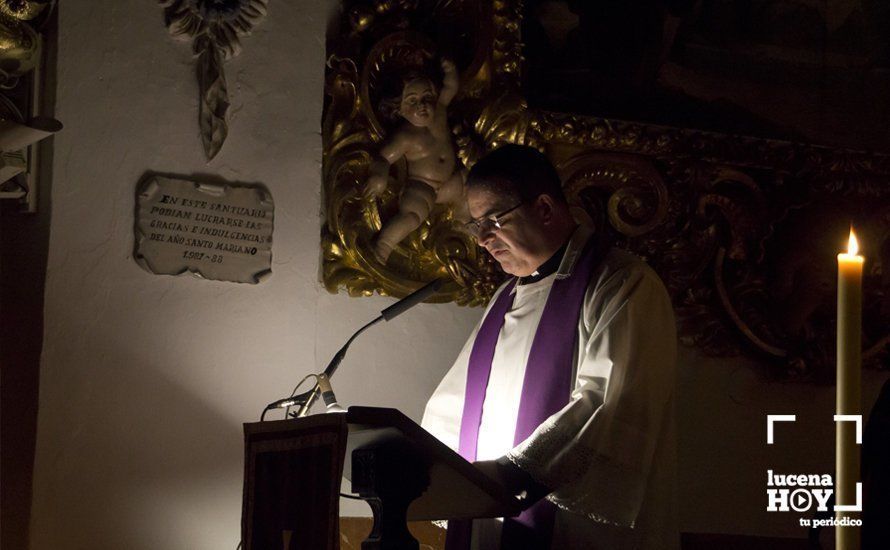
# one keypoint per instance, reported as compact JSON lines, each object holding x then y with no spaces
{"x":635,"y":198}
{"x":19,"y":43}
{"x":24,"y":10}
{"x":719,"y":237}
{"x":215,"y":28}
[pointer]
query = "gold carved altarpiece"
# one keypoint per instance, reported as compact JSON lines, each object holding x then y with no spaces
{"x":742,"y":230}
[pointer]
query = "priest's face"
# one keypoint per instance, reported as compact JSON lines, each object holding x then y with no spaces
{"x":517,"y":241}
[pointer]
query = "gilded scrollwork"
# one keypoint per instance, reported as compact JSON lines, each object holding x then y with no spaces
{"x":506,"y":56}
{"x":770,"y":288}
{"x":632,"y":194}
{"x":25,"y":10}
{"x":743,"y":230}
{"x":19,"y":40}
{"x":746,"y":254}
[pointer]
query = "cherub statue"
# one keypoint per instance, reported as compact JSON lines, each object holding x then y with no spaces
{"x":434,"y":174}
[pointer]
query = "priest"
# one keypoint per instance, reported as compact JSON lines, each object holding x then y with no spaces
{"x":565,"y":389}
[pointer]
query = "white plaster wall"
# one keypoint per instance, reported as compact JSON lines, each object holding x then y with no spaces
{"x":146,"y":379}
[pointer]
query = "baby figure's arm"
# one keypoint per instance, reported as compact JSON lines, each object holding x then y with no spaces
{"x":450,"y":83}
{"x":392,"y":151}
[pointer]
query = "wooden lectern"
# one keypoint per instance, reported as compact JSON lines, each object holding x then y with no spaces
{"x":292,"y":472}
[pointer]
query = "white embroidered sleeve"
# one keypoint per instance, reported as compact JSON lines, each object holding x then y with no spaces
{"x":595,"y":454}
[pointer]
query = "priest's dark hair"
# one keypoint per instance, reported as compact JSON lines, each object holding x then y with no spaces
{"x":516,"y":172}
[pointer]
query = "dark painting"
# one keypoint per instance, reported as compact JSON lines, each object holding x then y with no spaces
{"x":798,"y":70}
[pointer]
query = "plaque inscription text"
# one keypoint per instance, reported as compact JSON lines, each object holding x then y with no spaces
{"x":221,"y":232}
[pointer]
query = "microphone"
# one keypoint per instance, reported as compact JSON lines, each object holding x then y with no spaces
{"x":387,"y":314}
{"x":305,"y":400}
{"x":412,"y":300}
{"x":327,"y":394}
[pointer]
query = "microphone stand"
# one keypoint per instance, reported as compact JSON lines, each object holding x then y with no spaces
{"x":312,"y":395}
{"x":322,"y":385}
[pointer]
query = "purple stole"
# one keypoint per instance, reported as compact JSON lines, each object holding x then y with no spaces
{"x":546,"y":389}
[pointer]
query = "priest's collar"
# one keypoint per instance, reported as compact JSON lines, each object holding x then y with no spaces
{"x":547,"y":268}
{"x":566,"y":257}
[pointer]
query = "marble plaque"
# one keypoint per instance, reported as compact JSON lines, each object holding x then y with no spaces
{"x":220,"y":232}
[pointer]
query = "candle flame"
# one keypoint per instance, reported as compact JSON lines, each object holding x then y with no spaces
{"x":852,"y":244}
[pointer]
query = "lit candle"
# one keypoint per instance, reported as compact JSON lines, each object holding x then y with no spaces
{"x":849,"y":365}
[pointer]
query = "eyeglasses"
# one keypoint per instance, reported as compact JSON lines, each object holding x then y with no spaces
{"x":489,"y":223}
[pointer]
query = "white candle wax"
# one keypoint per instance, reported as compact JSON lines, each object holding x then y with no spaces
{"x":849,"y":367}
